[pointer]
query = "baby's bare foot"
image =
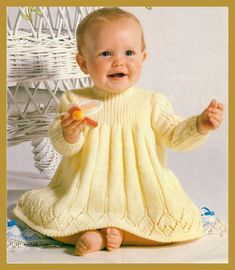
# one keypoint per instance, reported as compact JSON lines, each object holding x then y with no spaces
{"x":89,"y":241}
{"x":114,"y":238}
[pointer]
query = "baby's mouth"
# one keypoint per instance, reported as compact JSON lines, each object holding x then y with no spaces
{"x":117,"y":75}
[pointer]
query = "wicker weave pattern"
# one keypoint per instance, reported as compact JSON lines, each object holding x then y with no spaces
{"x":41,"y":65}
{"x":45,"y":50}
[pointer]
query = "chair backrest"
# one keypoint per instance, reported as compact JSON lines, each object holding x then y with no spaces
{"x":41,"y":48}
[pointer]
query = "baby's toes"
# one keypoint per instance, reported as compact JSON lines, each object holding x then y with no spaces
{"x":113,"y":241}
{"x":81,"y":248}
{"x":112,"y":244}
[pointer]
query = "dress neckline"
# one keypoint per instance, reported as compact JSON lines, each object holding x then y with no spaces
{"x":104,"y":94}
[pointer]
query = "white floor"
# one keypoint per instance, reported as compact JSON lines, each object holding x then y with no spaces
{"x":22,"y":176}
{"x":207,"y":250}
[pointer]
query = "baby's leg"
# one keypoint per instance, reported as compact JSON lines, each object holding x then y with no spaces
{"x":86,"y":242}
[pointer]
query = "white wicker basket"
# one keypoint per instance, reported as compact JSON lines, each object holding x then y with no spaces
{"x":41,"y":48}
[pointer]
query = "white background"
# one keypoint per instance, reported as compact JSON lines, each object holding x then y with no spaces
{"x":187,"y":61}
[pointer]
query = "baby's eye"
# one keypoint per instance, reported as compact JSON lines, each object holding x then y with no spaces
{"x":129,"y":53}
{"x":105,"y":53}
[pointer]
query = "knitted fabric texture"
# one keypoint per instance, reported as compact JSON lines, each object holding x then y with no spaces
{"x":117,"y":175}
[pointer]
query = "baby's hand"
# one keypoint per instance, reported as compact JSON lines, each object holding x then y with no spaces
{"x":211,"y":118}
{"x":71,"y":128}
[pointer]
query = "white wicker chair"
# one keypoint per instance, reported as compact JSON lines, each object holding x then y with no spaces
{"x":41,"y":49}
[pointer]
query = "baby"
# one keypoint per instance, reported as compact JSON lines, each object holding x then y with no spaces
{"x":113,"y":186}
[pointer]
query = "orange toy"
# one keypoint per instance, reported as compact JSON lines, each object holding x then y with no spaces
{"x":78,"y":114}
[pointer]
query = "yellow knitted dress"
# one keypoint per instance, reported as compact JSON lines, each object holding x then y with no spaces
{"x":117,"y":175}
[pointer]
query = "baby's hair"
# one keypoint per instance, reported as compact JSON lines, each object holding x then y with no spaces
{"x":104,"y":15}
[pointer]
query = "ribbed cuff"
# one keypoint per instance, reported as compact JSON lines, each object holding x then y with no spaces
{"x":186,"y":135}
{"x":60,"y":144}
{"x":194,"y":129}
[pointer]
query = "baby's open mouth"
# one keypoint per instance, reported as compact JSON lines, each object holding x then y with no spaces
{"x":119,"y":75}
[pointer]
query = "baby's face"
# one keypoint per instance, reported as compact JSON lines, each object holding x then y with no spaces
{"x":112,"y":54}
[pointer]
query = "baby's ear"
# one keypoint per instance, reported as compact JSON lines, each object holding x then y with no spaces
{"x":144,"y":55}
{"x":82,"y":63}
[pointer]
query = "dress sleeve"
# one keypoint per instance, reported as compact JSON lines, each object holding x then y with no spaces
{"x":179,"y":134}
{"x":56,"y":133}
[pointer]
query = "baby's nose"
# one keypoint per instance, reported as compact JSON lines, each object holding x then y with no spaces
{"x":118,"y":61}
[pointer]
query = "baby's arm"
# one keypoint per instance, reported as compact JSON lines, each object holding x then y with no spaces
{"x":182,"y":134}
{"x":211,"y":118}
{"x":61,"y":129}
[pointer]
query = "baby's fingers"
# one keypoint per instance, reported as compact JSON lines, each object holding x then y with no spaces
{"x":220,"y":106}
{"x":215,"y":110}
{"x":215,"y":122}
{"x":76,"y":124}
{"x":68,"y":123}
{"x":65,"y":120}
{"x":216,"y":115}
{"x":64,"y":116}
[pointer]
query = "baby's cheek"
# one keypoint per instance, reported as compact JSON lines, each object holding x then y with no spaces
{"x":136,"y":68}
